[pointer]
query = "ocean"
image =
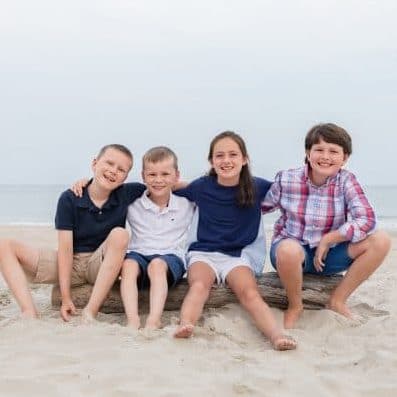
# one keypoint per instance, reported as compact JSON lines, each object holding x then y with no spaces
{"x":36,"y":205}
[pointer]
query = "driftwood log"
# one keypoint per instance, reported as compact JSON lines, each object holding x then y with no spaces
{"x":316,"y":291}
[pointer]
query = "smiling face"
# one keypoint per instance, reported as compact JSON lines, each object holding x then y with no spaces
{"x":227,"y":161}
{"x":111,"y":169}
{"x":160,"y":177}
{"x":325,"y":159}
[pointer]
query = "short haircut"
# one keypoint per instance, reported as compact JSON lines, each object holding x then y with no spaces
{"x":330,"y":133}
{"x":159,"y":153}
{"x":115,"y":146}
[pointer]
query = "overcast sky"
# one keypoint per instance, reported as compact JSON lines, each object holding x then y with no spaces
{"x":76,"y":75}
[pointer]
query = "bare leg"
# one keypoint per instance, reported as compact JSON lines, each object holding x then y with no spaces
{"x":368,"y":254}
{"x":115,"y":248}
{"x":242,"y":281}
{"x":201,"y":278}
{"x":15,"y":259}
{"x":129,"y":292}
{"x":157,"y":272}
{"x":290,"y":257}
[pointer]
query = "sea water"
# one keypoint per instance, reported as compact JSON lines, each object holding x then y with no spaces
{"x":36,"y":205}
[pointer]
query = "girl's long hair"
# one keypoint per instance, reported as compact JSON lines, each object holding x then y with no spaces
{"x":246,"y":187}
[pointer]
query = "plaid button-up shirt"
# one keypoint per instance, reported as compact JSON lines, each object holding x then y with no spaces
{"x":308,"y":211}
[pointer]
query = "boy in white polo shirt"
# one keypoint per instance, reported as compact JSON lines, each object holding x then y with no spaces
{"x":159,"y":223}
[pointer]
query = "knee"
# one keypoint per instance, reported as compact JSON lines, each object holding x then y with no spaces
{"x":248,"y":295}
{"x":130,"y":268}
{"x":200,"y":287}
{"x":157,"y":267}
{"x":6,"y":246}
{"x":289,"y":252}
{"x":118,"y":238}
{"x":380,"y":241}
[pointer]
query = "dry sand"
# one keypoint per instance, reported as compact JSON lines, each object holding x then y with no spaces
{"x":226,"y":357}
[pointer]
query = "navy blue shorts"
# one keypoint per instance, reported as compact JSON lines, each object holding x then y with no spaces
{"x":337,"y":260}
{"x":176,"y":267}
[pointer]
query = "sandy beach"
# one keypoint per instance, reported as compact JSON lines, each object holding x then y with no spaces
{"x":226,"y":357}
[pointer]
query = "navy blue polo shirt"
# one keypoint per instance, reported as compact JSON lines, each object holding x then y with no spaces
{"x":91,"y":225}
{"x":223,"y":226}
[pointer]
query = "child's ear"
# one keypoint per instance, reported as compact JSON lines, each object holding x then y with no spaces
{"x":93,"y":164}
{"x":143,"y":175}
{"x":345,"y":158}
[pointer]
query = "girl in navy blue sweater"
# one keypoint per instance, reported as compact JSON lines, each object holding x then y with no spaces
{"x":229,"y":246}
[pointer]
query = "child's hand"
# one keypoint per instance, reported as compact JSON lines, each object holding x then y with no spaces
{"x":67,"y":309}
{"x":77,"y":187}
{"x":320,"y":255}
{"x":179,"y":185}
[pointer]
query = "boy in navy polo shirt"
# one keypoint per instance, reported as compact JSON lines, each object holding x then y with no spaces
{"x":159,"y":222}
{"x":91,"y":239}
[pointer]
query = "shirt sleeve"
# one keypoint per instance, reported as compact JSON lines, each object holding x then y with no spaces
{"x":263,"y":187}
{"x":190,"y":191}
{"x":361,"y":219}
{"x":133,"y":191}
{"x":271,"y":201}
{"x":65,"y":214}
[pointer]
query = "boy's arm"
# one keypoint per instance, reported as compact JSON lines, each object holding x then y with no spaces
{"x":360,"y":221}
{"x":271,"y":201}
{"x":329,"y":239}
{"x":65,"y":262}
{"x":360,"y":215}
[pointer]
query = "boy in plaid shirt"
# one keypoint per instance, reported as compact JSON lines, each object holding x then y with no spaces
{"x":326,"y":225}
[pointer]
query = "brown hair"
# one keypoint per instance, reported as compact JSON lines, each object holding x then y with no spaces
{"x":246,"y":188}
{"x":115,"y":146}
{"x":159,"y":153}
{"x":330,"y":133}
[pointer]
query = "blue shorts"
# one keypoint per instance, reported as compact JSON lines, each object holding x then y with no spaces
{"x":337,"y":260}
{"x":176,"y":267}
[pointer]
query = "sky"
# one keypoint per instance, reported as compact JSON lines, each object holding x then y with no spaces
{"x":76,"y":75}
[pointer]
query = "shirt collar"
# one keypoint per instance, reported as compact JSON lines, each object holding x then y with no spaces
{"x":330,"y":179}
{"x":149,"y":204}
{"x":85,"y":201}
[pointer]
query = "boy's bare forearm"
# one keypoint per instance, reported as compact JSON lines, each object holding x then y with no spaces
{"x":65,"y":262}
{"x":333,"y":237}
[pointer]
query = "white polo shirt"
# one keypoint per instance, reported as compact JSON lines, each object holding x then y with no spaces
{"x":159,"y":231}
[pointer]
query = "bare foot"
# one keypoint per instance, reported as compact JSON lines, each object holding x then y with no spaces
{"x":339,"y":307}
{"x":291,"y":316}
{"x":152,"y":323}
{"x":29,"y":315}
{"x":184,"y":331}
{"x":134,"y":323}
{"x":87,"y":317}
{"x":283,"y":342}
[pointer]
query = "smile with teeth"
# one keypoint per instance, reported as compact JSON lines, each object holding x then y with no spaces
{"x":109,"y":178}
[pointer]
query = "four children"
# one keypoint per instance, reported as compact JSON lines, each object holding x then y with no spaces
{"x":326,"y":226}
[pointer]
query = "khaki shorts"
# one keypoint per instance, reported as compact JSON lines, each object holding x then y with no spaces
{"x":85,"y":267}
